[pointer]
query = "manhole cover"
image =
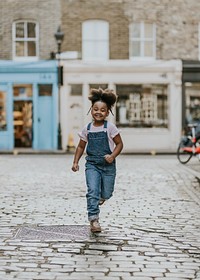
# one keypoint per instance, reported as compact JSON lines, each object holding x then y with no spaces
{"x":71,"y":232}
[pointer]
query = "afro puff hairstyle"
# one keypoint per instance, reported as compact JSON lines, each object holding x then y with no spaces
{"x":107,"y":96}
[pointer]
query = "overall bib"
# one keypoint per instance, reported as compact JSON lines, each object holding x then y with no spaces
{"x":100,"y":175}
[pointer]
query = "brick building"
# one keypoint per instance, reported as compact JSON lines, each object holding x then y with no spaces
{"x":135,"y":47}
{"x":28,"y":79}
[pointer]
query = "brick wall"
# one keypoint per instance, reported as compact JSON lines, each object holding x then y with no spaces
{"x":176,"y":24}
{"x":74,"y":12}
{"x":45,"y":12}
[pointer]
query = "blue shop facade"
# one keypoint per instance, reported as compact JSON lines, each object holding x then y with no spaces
{"x":28,"y":105}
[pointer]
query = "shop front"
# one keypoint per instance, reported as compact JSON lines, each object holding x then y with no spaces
{"x":191,"y":93}
{"x":148,"y":110}
{"x":28,"y":105}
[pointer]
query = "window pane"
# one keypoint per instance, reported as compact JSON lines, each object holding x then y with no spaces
{"x":142,"y":106}
{"x":45,"y":90}
{"x":31,"y":49}
{"x":148,"y":49}
{"x":31,"y":30}
{"x":148,"y":31}
{"x":135,"y":49}
{"x":192,"y":98}
{"x":3,"y":122}
{"x":95,"y":36}
{"x":101,"y":50}
{"x":76,"y":90}
{"x":22,"y":90}
{"x":136,"y":30}
{"x":20,"y":30}
{"x":103,"y":86}
{"x":20,"y":49}
{"x":22,"y":120}
{"x":102,"y":30}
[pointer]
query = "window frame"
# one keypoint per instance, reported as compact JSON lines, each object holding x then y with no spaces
{"x":25,"y":39}
{"x":94,"y":40}
{"x":142,"y":40}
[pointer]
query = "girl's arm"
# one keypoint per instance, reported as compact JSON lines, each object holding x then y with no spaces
{"x":117,"y":150}
{"x":78,"y":153}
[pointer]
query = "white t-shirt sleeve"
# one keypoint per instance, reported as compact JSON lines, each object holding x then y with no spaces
{"x":112,"y":130}
{"x":83,"y":134}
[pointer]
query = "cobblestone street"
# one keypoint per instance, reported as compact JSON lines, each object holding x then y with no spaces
{"x":151,"y":226}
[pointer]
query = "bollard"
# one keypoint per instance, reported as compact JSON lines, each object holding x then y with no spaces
{"x":70,"y":143}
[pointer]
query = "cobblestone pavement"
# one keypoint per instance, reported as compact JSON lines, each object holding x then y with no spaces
{"x":151,"y":226}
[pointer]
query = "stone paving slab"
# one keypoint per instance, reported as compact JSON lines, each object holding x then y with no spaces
{"x":150,"y":226}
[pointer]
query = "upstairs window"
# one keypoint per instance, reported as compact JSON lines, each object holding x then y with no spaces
{"x":25,"y":40}
{"x":95,"y":40}
{"x":142,"y":40}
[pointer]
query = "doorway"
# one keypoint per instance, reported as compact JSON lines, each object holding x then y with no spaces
{"x":23,"y":120}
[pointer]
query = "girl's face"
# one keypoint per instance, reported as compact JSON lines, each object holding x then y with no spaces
{"x":99,"y":112}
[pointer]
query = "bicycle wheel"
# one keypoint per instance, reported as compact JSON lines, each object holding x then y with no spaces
{"x":184,"y":155}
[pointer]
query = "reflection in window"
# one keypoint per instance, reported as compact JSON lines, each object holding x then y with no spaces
{"x":103,"y":86}
{"x":76,"y":89}
{"x":25,"y":39}
{"x":22,"y":91}
{"x":142,"y":106}
{"x":45,"y":90}
{"x":95,"y":36}
{"x":3,"y":122}
{"x":192,"y":99}
{"x":142,"y":40}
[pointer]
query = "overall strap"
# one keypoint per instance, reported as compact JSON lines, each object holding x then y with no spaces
{"x":105,"y":124}
{"x":88,"y":127}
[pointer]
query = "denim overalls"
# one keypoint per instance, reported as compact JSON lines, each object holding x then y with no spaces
{"x":100,"y":175}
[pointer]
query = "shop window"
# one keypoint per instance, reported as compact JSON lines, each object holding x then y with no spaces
{"x":45,"y":90}
{"x":142,"y":40}
{"x":3,"y":122}
{"x":95,"y":40}
{"x":25,"y":40}
{"x":22,"y":91}
{"x":192,"y":100}
{"x":76,"y":90}
{"x":142,"y":106}
{"x":103,"y":86}
{"x":22,"y":120}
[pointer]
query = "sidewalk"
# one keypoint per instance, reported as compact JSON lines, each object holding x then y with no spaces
{"x":150,"y":226}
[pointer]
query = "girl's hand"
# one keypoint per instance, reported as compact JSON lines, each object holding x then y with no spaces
{"x":109,"y":158}
{"x":75,"y":167}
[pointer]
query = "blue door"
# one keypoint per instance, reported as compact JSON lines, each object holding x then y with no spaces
{"x":45,"y":127}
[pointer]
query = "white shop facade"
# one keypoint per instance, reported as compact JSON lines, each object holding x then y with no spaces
{"x":149,"y":108}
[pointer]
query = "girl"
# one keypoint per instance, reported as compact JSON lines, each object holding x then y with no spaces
{"x":104,"y":144}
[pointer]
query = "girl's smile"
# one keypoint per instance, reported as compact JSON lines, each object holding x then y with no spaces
{"x":99,"y":112}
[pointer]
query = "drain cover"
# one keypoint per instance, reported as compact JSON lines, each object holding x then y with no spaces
{"x":69,"y":232}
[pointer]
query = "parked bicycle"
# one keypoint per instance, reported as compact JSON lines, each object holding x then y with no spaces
{"x":189,"y":145}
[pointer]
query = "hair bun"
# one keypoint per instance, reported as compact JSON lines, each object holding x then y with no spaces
{"x":108,"y":96}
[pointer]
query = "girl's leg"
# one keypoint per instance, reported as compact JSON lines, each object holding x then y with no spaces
{"x":93,"y":180}
{"x":108,"y":182}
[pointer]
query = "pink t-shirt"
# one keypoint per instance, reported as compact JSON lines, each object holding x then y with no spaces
{"x":112,"y":131}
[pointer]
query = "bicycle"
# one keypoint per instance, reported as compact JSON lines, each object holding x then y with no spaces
{"x":189,"y":145}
